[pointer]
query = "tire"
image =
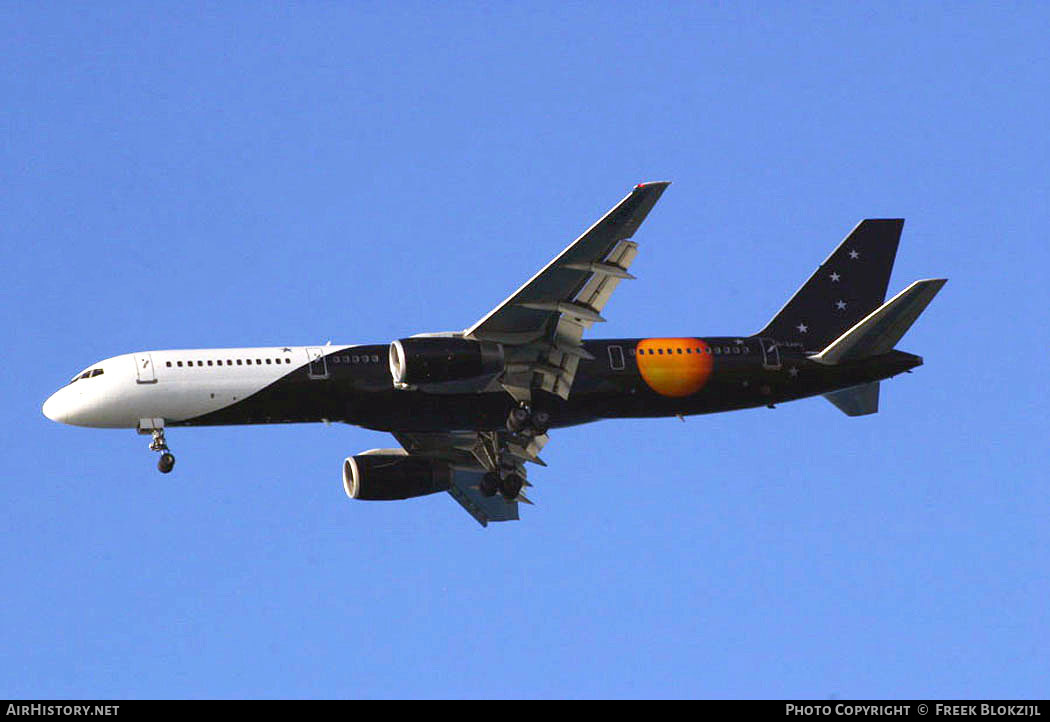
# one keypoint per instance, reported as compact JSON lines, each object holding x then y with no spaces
{"x":166,"y":463}
{"x":541,"y":421}
{"x":510,"y":486}
{"x":489,"y":484}
{"x":517,"y":419}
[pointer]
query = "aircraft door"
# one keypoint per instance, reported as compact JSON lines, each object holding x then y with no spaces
{"x":318,"y":363}
{"x":144,"y":373}
{"x":770,"y":354}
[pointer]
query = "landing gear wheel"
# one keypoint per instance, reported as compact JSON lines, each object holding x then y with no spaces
{"x":518,"y":418}
{"x":489,"y":484}
{"x":166,"y":462}
{"x":510,"y":486}
{"x":540,"y":422}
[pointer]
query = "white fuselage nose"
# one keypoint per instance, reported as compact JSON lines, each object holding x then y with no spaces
{"x":137,"y":389}
{"x":99,"y":400}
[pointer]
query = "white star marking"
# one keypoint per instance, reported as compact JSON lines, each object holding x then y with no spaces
{"x":840,"y":305}
{"x":792,"y":372}
{"x":854,"y":255}
{"x":835,"y":277}
{"x":802,"y":328}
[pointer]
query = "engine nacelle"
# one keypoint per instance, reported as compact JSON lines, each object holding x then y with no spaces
{"x":444,"y":364}
{"x":379,"y":476}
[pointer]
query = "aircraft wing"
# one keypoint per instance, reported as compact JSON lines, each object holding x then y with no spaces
{"x":541,"y":328}
{"x":542,"y":323}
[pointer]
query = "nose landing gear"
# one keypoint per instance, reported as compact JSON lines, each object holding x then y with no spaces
{"x":166,"y":462}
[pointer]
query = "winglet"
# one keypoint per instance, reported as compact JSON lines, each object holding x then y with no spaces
{"x":651,"y":184}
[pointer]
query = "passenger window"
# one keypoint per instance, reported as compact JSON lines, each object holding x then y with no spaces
{"x":375,"y":358}
{"x":248,"y":361}
{"x":209,"y":362}
{"x":267,"y":362}
{"x":200,"y":363}
{"x":179,"y":363}
{"x":355,"y":359}
{"x":169,"y":364}
{"x":238,"y":362}
{"x":736,"y":349}
{"x":661,"y":351}
{"x":678,"y":350}
{"x":258,"y":362}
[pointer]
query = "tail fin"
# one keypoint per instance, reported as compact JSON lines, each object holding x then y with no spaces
{"x":848,"y":286}
{"x":879,"y":331}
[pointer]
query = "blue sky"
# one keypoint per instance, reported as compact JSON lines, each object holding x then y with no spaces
{"x":237,"y":174}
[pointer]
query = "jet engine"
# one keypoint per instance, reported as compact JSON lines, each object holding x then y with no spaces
{"x":388,"y":474}
{"x":444,"y":364}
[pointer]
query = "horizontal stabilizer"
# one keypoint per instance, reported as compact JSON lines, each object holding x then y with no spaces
{"x":856,"y":400}
{"x":879,"y":331}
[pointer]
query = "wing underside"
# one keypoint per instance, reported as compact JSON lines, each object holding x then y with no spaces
{"x":472,"y":454}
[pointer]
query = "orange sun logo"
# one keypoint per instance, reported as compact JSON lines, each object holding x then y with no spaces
{"x":674,"y":367}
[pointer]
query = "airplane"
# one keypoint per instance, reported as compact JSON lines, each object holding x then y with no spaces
{"x":471,"y":408}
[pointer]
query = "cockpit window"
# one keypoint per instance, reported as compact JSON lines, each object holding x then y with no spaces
{"x":86,"y":375}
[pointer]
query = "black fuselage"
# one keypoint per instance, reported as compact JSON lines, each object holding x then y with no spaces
{"x":738,"y":372}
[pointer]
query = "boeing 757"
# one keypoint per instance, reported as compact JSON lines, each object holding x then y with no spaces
{"x":471,"y":408}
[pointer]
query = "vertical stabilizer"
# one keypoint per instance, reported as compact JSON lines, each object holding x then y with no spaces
{"x":848,"y":286}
